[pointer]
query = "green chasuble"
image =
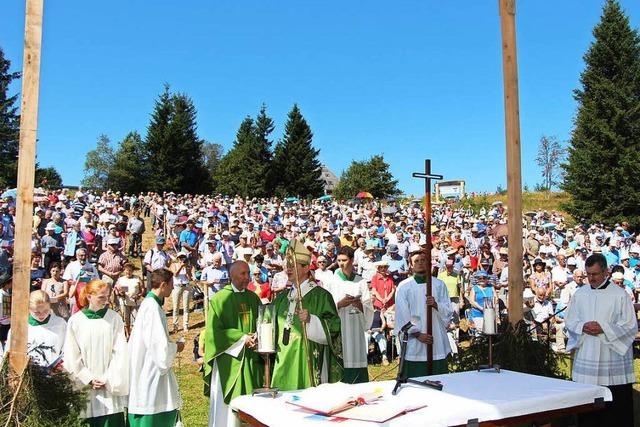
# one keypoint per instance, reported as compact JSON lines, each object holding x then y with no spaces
{"x":232,"y":315}
{"x":290,"y":371}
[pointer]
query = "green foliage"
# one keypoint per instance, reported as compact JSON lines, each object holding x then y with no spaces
{"x":129,"y":173}
{"x":97,"y":165}
{"x":295,"y":165}
{"x":237,"y":172}
{"x":47,"y":177}
{"x":604,"y":153}
{"x":515,"y":350}
{"x":43,"y":400}
{"x":212,"y":154}
{"x":549,"y":159}
{"x":9,"y":125}
{"x":367,"y":175}
{"x":174,"y":151}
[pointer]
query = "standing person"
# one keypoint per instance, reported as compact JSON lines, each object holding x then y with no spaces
{"x":6,"y":284}
{"x":135,"y":228}
{"x":231,"y":365}
{"x":128,"y":290}
{"x":95,"y":355}
{"x":78,"y":273}
{"x":58,"y":291}
{"x":353,"y":300}
{"x":155,"y":258}
{"x":154,"y":396}
{"x":111,"y":263}
{"x":320,"y":318}
{"x":182,"y":277}
{"x":601,"y":324}
{"x":411,"y":303}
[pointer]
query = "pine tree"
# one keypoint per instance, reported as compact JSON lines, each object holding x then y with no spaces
{"x":129,"y":173}
{"x":174,"y":150}
{"x":98,"y":164}
{"x":237,"y":173}
{"x":604,"y":153}
{"x":9,"y":125}
{"x":371,"y":175}
{"x":263,"y":128}
{"x":295,"y":161}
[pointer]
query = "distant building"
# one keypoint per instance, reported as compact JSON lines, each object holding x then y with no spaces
{"x":449,"y":190}
{"x":329,"y":180}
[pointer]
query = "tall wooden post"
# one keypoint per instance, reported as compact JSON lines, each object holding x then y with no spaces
{"x":514,"y":176}
{"x":428,"y":176}
{"x":26,"y":174}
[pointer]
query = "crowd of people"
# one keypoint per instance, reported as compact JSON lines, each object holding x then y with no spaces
{"x":360,"y":269}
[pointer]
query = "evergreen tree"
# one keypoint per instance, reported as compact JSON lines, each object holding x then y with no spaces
{"x":236,"y":174}
{"x":129,"y":174}
{"x":604,"y":153}
{"x":98,"y":164}
{"x":212,"y":154}
{"x":371,"y":175}
{"x":295,"y":162}
{"x":47,"y":178}
{"x":263,"y":128}
{"x":9,"y":125}
{"x":175,"y":158}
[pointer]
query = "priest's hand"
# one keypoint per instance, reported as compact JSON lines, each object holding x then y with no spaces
{"x":304,"y":316}
{"x":431,"y":302}
{"x":592,"y":328}
{"x":251,"y":341}
{"x":97,"y":384}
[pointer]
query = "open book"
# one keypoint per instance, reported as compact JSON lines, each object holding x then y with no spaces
{"x":352,"y":402}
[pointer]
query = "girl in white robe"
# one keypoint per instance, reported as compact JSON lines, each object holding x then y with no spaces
{"x":95,"y":355}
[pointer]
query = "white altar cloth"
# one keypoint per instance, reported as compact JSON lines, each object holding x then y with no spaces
{"x":484,"y":396}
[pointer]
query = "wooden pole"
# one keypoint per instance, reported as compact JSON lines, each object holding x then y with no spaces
{"x":514,"y":176}
{"x":429,"y":283}
{"x":26,"y":173}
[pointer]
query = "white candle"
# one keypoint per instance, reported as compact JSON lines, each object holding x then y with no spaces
{"x":265,"y":335}
{"x":489,"y":321}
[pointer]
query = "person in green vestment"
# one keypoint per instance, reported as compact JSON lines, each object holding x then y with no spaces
{"x":232,"y":367}
{"x":296,"y":367}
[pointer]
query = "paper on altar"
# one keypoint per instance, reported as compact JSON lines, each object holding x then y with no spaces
{"x":332,"y":399}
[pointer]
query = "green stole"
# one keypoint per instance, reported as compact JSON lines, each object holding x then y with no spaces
{"x":95,"y":314}
{"x":35,"y":322}
{"x":290,"y":371}
{"x":232,"y":315}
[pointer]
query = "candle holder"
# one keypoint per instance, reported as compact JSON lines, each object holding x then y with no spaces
{"x":489,"y":329}
{"x":266,"y":345}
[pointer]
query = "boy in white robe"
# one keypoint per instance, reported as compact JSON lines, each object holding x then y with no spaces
{"x":602,"y":325}
{"x":95,"y":355}
{"x":355,"y":308}
{"x":154,"y":397}
{"x":411,"y":302}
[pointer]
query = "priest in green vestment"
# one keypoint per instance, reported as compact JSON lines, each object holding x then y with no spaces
{"x":232,"y":367}
{"x":298,"y":366}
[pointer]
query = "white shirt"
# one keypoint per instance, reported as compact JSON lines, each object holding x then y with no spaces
{"x":605,"y":359}
{"x":411,"y":300}
{"x":154,"y":387}
{"x":72,"y":271}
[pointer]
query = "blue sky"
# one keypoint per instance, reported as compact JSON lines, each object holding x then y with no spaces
{"x":409,"y":79}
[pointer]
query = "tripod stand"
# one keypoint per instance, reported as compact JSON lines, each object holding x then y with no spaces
{"x":402,"y":378}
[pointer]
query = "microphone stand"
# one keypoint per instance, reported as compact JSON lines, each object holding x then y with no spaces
{"x":402,"y":378}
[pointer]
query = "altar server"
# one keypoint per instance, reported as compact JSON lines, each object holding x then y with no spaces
{"x":602,"y":325}
{"x":46,"y":332}
{"x":321,"y":321}
{"x":411,"y":303}
{"x":95,"y":354}
{"x":355,"y":308}
{"x":231,"y":365}
{"x":154,"y":397}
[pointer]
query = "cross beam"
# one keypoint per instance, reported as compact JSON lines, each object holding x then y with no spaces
{"x":428,"y":177}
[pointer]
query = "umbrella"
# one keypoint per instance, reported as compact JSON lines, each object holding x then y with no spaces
{"x":531,"y":214}
{"x":10,"y":193}
{"x":496,"y":203}
{"x":324,"y":198}
{"x":364,"y":195}
{"x":291,"y":199}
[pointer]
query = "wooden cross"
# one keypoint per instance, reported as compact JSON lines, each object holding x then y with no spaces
{"x":428,"y":177}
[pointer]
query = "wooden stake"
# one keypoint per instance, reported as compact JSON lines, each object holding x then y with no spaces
{"x":514,"y":175}
{"x":26,"y":174}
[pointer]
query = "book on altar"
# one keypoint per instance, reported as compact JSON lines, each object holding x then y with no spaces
{"x":352,"y":402}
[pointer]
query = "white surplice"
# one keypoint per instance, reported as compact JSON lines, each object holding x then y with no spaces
{"x":353,"y":322}
{"x":605,"y":359}
{"x":153,"y":384}
{"x":44,"y":342}
{"x":96,"y":349}
{"x":411,"y":301}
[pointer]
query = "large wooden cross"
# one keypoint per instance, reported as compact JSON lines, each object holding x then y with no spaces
{"x":428,"y":177}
